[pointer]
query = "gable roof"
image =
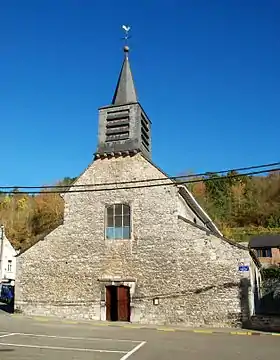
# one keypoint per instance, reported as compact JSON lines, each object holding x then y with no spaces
{"x":265,"y":240}
{"x":197,"y":209}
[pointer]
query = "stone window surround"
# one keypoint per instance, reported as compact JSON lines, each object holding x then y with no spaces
{"x":118,"y":202}
{"x":116,"y":281}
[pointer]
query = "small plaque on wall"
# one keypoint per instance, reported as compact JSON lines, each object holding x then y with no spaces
{"x":156,"y":301}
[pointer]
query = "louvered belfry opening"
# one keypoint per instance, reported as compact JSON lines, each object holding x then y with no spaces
{"x":117,"y":126}
{"x":145,"y":132}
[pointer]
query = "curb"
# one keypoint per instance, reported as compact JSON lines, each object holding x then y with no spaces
{"x":222,"y":331}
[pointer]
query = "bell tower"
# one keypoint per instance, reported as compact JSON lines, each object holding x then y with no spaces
{"x":124,"y":127}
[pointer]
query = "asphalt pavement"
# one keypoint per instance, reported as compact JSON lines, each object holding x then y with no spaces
{"x":23,"y":338}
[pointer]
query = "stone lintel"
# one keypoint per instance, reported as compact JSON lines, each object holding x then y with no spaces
{"x":116,"y":279}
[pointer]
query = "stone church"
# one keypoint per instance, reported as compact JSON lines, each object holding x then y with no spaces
{"x":134,"y":245}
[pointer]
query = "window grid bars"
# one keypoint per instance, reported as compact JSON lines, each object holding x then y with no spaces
{"x":114,"y":227}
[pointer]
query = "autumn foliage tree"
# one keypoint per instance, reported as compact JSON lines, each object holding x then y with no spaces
{"x":27,"y":217}
{"x":241,"y":205}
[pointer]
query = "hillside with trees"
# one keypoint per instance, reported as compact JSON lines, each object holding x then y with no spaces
{"x":240,"y":206}
{"x":27,"y":218}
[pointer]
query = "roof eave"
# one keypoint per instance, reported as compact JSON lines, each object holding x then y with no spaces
{"x":204,"y":217}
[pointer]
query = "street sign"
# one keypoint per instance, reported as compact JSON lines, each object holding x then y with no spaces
{"x":243,"y":268}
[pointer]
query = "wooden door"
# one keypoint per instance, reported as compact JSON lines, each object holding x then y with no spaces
{"x":111,"y":303}
{"x":123,"y":303}
{"x":108,"y":302}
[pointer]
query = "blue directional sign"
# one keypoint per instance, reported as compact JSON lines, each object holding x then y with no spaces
{"x":243,"y":268}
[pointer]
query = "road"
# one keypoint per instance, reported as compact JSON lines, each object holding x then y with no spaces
{"x":29,"y":339}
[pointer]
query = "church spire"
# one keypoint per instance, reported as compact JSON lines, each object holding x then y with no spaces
{"x":124,"y":127}
{"x":125,"y":92}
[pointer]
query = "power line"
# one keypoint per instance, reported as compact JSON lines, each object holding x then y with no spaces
{"x":142,"y":186}
{"x":150,"y":180}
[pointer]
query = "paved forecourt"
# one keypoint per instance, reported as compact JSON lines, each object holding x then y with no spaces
{"x":32,"y":346}
{"x":22,"y":338}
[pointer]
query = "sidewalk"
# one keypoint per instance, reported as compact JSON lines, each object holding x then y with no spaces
{"x":167,"y":328}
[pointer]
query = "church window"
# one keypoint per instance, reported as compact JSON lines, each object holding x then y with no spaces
{"x":118,"y":222}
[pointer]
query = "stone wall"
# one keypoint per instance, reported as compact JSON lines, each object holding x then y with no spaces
{"x":192,"y":273}
{"x":266,"y":323}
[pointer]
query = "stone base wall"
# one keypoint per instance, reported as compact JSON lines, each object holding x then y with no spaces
{"x":265,"y":323}
{"x":167,"y":312}
{"x":93,"y":312}
{"x":84,"y":313}
{"x":70,"y":311}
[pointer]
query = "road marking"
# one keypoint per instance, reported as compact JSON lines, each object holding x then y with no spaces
{"x":203,"y":331}
{"x":131,"y":326}
{"x":69,"y":322}
{"x":126,"y":356}
{"x":77,"y":338}
{"x":41,"y":319}
{"x":64,"y":348}
{"x":165,"y":329}
{"x":11,"y":334}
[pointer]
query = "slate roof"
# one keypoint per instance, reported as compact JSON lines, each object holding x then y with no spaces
{"x":262,"y":241}
{"x":125,"y":92}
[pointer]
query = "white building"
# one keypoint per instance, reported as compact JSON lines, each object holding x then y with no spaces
{"x":7,"y":259}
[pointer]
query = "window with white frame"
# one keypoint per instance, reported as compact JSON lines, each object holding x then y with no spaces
{"x":9,"y":265}
{"x":118,"y":222}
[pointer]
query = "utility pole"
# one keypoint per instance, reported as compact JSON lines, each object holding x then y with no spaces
{"x":1,"y":251}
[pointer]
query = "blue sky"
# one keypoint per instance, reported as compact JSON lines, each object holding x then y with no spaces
{"x":207,"y":73}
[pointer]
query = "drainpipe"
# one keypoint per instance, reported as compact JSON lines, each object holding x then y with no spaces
{"x":1,"y":251}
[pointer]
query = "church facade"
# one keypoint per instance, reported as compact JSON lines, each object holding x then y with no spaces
{"x":134,"y":244}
